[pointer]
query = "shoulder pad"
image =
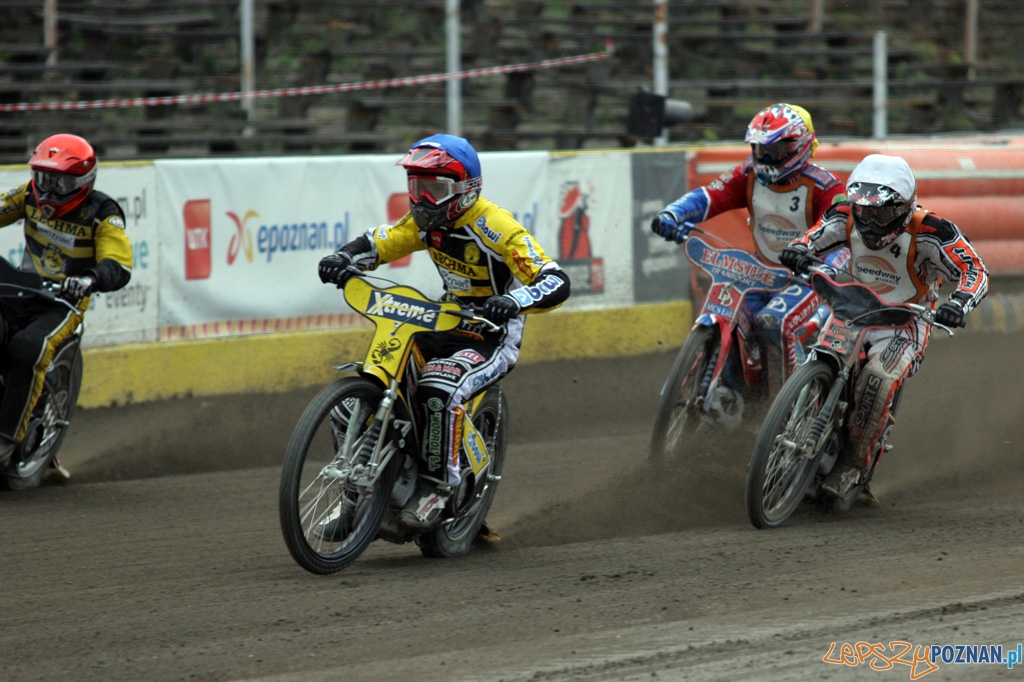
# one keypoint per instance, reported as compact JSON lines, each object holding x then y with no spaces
{"x":821,"y":177}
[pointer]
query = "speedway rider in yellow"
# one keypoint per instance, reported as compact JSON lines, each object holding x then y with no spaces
{"x":485,"y":258}
{"x":74,"y":236}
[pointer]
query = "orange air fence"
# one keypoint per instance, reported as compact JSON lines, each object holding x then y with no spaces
{"x":977,"y":184}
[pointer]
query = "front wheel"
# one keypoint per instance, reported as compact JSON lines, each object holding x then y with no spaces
{"x":474,"y":497}
{"x":329,"y":514}
{"x":780,"y":470}
{"x":49,"y":423}
{"x":679,"y":412}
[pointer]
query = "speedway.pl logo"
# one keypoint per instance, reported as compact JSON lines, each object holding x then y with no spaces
{"x":922,"y":659}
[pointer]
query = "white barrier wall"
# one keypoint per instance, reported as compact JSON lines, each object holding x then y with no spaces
{"x":131,"y":314}
{"x":230,"y":247}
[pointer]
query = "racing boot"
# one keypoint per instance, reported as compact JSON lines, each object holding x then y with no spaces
{"x":426,"y":507}
{"x":845,"y":474}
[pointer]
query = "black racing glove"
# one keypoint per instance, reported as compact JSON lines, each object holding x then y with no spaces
{"x":74,"y":289}
{"x":334,"y":268}
{"x":950,"y":314}
{"x":796,"y":258}
{"x":501,"y":309}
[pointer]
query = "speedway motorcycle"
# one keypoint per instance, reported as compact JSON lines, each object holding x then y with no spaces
{"x":48,"y":424}
{"x":723,"y":364}
{"x":803,"y":432}
{"x":352,"y":461}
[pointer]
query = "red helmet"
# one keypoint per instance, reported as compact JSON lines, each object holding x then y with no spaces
{"x":63,"y":173}
{"x":444,"y":179}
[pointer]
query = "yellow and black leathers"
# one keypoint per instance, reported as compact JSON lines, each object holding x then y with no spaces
{"x":90,"y":240}
{"x":484,"y":253}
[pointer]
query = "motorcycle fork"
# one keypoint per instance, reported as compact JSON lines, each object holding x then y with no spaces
{"x":383,"y":450}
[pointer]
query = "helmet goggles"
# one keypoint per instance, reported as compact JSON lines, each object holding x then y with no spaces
{"x":60,"y":183}
{"x":878,"y":216}
{"x":875,"y":204}
{"x":775,"y":153}
{"x":436,"y":189}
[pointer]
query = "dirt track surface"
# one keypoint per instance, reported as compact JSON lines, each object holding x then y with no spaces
{"x":162,"y":558}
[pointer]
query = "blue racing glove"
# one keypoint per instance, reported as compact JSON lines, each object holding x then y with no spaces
{"x":666,"y":225}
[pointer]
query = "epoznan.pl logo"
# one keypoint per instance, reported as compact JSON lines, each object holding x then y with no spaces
{"x":921,"y":659}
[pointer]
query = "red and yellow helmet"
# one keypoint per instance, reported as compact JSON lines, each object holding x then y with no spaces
{"x":63,"y":173}
{"x":782,"y":140}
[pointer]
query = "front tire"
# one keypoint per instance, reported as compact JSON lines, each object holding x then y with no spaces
{"x":678,"y":414}
{"x":779,"y":473}
{"x":49,"y":424}
{"x":454,"y":539}
{"x":335,"y":432}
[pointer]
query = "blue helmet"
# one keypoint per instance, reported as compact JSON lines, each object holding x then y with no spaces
{"x":444,"y":179}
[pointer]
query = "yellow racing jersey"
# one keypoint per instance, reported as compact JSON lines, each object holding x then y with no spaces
{"x":88,"y":240}
{"x":485,"y":253}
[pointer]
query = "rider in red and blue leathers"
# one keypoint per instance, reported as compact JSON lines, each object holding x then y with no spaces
{"x":785,"y":195}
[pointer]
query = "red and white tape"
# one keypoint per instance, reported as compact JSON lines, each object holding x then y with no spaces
{"x":306,"y":90}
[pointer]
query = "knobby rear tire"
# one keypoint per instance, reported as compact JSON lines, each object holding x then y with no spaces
{"x":455,"y":539}
{"x":300,"y":514}
{"x":778,"y":477}
{"x":63,"y":382}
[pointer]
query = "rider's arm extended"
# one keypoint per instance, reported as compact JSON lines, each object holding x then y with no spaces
{"x":949,"y":253}
{"x":113,"y":268}
{"x":830,"y":232}
{"x":12,"y":205}
{"x":540,"y":285}
{"x":385,"y":243}
{"x":725,"y":193}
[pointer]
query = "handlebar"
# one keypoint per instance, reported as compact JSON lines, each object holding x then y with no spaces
{"x":48,"y":291}
{"x":473,"y":314}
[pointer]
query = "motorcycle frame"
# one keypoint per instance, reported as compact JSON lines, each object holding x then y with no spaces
{"x":840,"y":344}
{"x":734,"y":274}
{"x":393,"y":359}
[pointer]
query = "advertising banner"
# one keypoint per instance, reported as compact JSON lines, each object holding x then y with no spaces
{"x":660,"y":267}
{"x":242,"y":238}
{"x":128,"y":315}
{"x":591,"y":238}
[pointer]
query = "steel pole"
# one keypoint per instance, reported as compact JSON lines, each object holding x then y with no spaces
{"x":880,"y":94}
{"x":660,"y":40}
{"x":248,"y":58}
{"x":454,"y":59}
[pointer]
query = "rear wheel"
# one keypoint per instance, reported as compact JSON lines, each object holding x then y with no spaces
{"x":679,"y":412}
{"x":329,"y":513}
{"x":474,"y":498}
{"x":779,"y":471}
{"x":49,"y":422}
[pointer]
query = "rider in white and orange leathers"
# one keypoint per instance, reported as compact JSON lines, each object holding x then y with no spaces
{"x":903,"y":252}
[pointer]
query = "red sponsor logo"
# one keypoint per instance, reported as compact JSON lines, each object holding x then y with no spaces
{"x":196,"y":216}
